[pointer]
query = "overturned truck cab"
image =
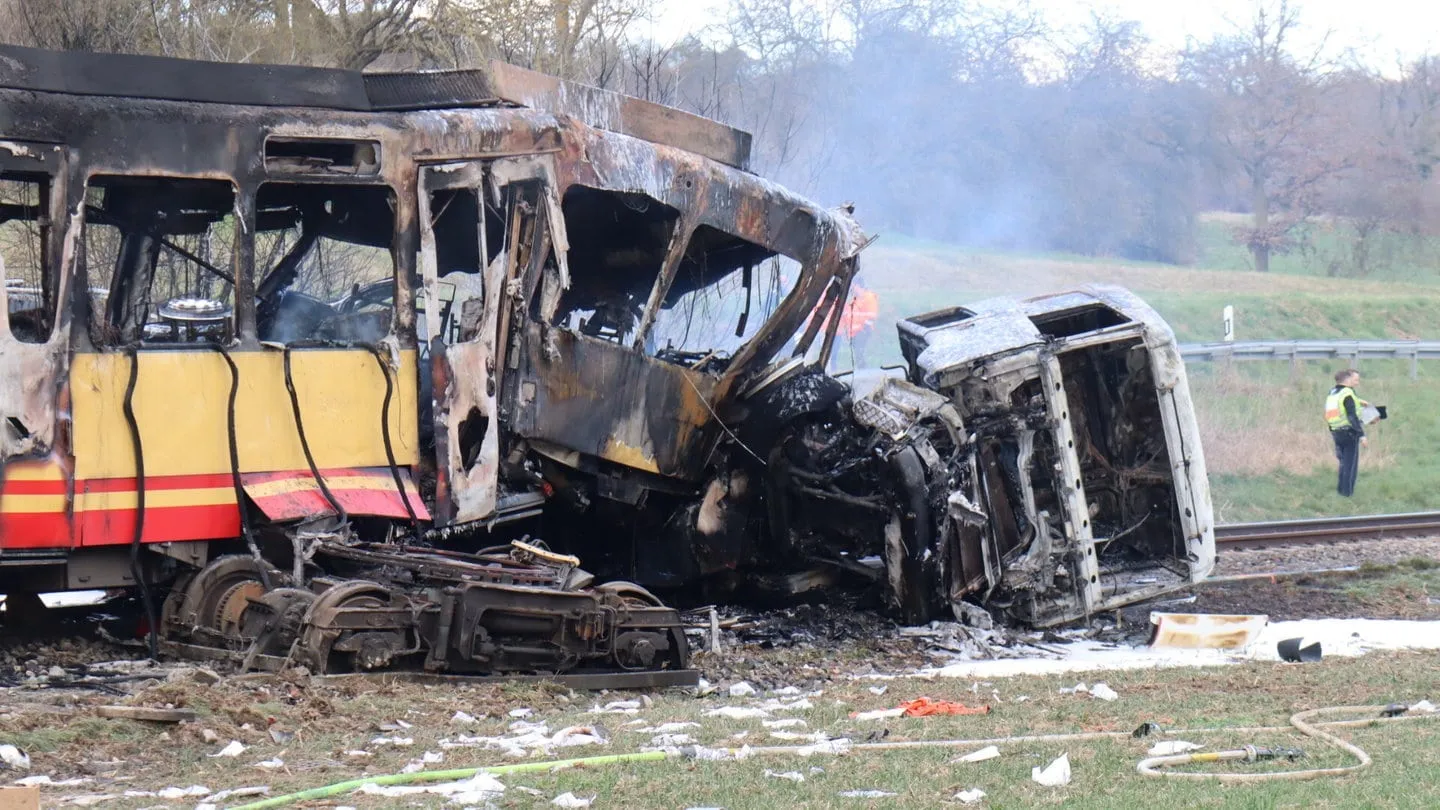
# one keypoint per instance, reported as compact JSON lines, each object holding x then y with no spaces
{"x":1066,"y":475}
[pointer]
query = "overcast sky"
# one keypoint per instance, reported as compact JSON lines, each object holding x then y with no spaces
{"x":1382,"y":31}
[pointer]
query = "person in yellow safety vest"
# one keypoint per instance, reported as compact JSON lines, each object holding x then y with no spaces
{"x":857,"y":319}
{"x":1342,"y":416}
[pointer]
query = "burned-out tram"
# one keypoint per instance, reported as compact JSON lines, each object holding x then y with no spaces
{"x":297,"y":352}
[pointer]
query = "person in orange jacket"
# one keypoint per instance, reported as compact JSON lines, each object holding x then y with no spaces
{"x":857,"y":319}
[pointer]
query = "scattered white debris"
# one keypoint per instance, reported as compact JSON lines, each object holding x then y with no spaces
{"x":970,"y":796}
{"x":777,"y":705}
{"x":879,"y":690}
{"x":671,"y":740}
{"x":816,"y":737}
{"x":1423,"y":707}
{"x":866,"y":794}
{"x":400,"y":742}
{"x":1055,"y":774}
{"x":704,"y":688}
{"x":669,"y":728}
{"x":1022,"y":698}
{"x":988,"y":752}
{"x":1172,"y":747}
{"x":526,"y":738}
{"x":88,"y":799}
{"x":397,"y":725}
{"x":578,"y":735}
{"x":14,"y":757}
{"x":571,"y":800}
{"x":271,"y":764}
{"x":618,"y":707}
{"x":479,"y":788}
{"x":358,"y":753}
{"x":1103,"y":691}
{"x":788,"y":722}
{"x":836,"y":746}
{"x":528,"y":791}
{"x":880,"y":714}
{"x":1077,"y":689}
{"x":741,"y":689}
{"x":427,"y":758}
{"x":234,"y":749}
{"x":192,"y":792}
{"x":464,"y":718}
{"x":240,"y":793}
{"x":44,"y":779}
{"x":793,"y":776}
{"x":521,"y":713}
{"x":737,"y":712}
{"x":720,"y":754}
{"x":739,"y":735}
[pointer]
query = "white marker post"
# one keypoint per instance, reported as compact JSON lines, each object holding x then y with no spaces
{"x":1228,"y":315}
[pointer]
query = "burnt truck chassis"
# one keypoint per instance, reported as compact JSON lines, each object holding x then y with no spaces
{"x":1039,"y":458}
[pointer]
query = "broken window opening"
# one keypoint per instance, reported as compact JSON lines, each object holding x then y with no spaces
{"x":1124,"y":460}
{"x":723,"y":295}
{"x":324,"y":262}
{"x":163,"y":249}
{"x":322,"y":155}
{"x":24,"y":237}
{"x":1078,"y":321}
{"x":618,"y":243}
{"x":456,"y":221}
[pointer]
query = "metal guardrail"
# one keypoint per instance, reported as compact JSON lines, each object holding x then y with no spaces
{"x":1298,"y":350}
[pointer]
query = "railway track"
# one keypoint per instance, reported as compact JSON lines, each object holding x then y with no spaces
{"x":1325,"y":530}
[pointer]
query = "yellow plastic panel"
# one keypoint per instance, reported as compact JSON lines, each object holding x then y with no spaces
{"x":180,"y":404}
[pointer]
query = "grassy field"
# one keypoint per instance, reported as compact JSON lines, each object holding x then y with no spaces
{"x":333,"y":719}
{"x":1269,"y":455}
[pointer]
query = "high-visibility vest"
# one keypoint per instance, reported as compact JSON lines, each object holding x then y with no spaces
{"x":860,"y":311}
{"x":1335,"y":407}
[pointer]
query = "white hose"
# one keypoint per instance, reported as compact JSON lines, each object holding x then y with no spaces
{"x":1153,"y":765}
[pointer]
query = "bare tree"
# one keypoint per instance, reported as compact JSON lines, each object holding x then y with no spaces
{"x":1271,"y":118}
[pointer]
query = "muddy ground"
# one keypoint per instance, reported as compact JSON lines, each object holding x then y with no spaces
{"x":50,"y":687}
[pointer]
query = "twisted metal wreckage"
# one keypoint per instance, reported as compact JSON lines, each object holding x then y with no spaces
{"x":291,"y":345}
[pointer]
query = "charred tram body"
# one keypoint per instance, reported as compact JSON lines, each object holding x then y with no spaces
{"x":295,"y":352}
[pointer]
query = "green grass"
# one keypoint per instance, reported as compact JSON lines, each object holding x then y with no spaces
{"x":1415,"y":577}
{"x":1270,"y":456}
{"x":1406,"y":772}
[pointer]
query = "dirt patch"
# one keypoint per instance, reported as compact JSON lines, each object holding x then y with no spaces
{"x":1375,"y":593}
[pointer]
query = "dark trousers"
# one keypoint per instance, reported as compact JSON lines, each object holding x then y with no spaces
{"x":1347,"y":451}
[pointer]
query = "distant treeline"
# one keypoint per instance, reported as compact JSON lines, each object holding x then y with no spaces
{"x":944,"y":119}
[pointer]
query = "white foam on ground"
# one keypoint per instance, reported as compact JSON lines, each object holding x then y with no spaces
{"x":1343,"y":637}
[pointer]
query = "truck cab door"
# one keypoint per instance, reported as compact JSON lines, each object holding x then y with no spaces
{"x":461,"y":274}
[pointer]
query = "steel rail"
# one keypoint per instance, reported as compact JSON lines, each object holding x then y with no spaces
{"x":1326,"y":530}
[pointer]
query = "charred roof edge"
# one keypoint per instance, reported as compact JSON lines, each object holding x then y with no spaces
{"x":169,"y":79}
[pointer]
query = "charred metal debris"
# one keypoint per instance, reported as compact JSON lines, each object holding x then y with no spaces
{"x":365,"y":330}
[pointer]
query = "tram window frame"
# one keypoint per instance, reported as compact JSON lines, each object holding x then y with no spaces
{"x":31,"y":230}
{"x":347,"y":303}
{"x":114,"y":322}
